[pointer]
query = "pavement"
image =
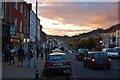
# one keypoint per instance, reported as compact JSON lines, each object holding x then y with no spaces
{"x":12,"y":71}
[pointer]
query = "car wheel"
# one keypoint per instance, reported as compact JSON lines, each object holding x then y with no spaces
{"x":46,"y":73}
{"x":76,"y":58}
{"x":91,"y":66}
{"x":109,"y":67}
{"x":84,"y":64}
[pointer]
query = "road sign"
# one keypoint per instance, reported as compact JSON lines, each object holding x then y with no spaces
{"x":12,"y":30}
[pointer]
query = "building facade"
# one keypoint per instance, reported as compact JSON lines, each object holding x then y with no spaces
{"x":17,"y":16}
{"x":32,"y":26}
{"x":111,"y":36}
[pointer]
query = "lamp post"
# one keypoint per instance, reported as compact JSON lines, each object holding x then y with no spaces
{"x":36,"y":35}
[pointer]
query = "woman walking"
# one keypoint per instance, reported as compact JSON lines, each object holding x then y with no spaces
{"x":29,"y":56}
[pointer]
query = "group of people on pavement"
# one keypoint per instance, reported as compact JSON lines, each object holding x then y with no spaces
{"x":10,"y":52}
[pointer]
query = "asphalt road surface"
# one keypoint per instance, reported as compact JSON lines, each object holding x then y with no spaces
{"x":79,"y":72}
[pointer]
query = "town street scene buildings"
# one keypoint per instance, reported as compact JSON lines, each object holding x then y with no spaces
{"x":19,"y":24}
{"x":68,"y":40}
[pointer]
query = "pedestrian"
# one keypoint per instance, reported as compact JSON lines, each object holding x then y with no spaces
{"x":11,"y":55}
{"x":46,"y":51}
{"x":38,"y":51}
{"x":29,"y":56}
{"x":42,"y":53}
{"x":6,"y":53}
{"x":21,"y":56}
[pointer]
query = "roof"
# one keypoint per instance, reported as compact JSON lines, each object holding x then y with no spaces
{"x":57,"y":53}
{"x":95,"y":52}
{"x":112,"y":28}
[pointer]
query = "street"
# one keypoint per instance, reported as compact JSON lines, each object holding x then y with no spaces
{"x":81,"y":72}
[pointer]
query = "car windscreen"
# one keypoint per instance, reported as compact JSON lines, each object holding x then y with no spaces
{"x":83,"y":51}
{"x":57,"y":57}
{"x":100,"y":55}
{"x":112,"y":50}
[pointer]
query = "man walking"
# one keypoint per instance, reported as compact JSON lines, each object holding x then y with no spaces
{"x":21,"y":56}
{"x":38,"y":51}
{"x":46,"y":51}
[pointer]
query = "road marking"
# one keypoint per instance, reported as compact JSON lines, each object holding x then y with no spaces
{"x":116,"y":67}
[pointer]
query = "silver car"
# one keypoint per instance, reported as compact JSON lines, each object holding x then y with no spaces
{"x":111,"y":52}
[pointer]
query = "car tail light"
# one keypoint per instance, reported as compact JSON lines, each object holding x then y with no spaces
{"x":109,"y":60}
{"x":69,"y":62}
{"x":48,"y":64}
{"x":93,"y":60}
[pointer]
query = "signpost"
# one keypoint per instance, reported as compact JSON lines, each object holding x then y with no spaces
{"x":13,"y":30}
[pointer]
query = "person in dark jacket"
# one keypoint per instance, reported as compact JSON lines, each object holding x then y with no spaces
{"x":38,"y":51}
{"x":21,"y":56}
{"x":46,"y":51}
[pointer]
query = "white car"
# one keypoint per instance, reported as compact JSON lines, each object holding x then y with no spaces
{"x":111,"y":52}
{"x":56,"y":50}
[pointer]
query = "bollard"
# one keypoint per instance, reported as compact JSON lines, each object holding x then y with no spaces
{"x":36,"y":75}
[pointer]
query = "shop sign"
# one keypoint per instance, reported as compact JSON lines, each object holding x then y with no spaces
{"x":13,"y":30}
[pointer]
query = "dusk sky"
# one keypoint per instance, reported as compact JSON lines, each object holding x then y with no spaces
{"x":72,"y":18}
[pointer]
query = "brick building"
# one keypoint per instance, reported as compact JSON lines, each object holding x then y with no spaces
{"x":17,"y":15}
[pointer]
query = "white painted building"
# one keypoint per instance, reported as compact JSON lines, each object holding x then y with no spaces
{"x":112,"y":36}
{"x":32,"y":26}
{"x":38,"y":28}
{"x":118,"y":37}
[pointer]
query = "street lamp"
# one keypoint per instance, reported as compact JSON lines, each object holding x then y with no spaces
{"x":100,"y":42}
{"x":36,"y":34}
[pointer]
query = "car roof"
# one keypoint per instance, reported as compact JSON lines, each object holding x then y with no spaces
{"x":56,"y":53}
{"x":116,"y":47}
{"x":95,"y":52}
{"x":56,"y":50}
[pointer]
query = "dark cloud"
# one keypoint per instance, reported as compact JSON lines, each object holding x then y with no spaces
{"x":81,"y":13}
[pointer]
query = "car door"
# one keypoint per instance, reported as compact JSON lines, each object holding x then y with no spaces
{"x":88,"y":59}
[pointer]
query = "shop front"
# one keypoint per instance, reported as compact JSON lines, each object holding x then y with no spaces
{"x":5,"y":35}
{"x":16,"y":39}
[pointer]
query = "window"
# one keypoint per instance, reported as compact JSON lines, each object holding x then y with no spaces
{"x":2,"y":10}
{"x":20,"y":26}
{"x":25,"y":12}
{"x":15,"y":21}
{"x":16,"y":4}
{"x":21,"y":8}
{"x":24,"y":29}
{"x":28,"y":14}
{"x":27,"y":30}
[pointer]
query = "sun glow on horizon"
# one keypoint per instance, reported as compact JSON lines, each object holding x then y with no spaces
{"x":55,"y":27}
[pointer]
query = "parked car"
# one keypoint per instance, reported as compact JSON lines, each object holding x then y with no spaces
{"x":97,"y":59}
{"x":112,"y":53}
{"x":118,"y":50}
{"x":81,"y":54}
{"x":58,"y":63}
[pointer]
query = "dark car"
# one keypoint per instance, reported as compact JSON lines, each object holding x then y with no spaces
{"x":81,"y":54}
{"x":58,"y":63}
{"x":97,"y":59}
